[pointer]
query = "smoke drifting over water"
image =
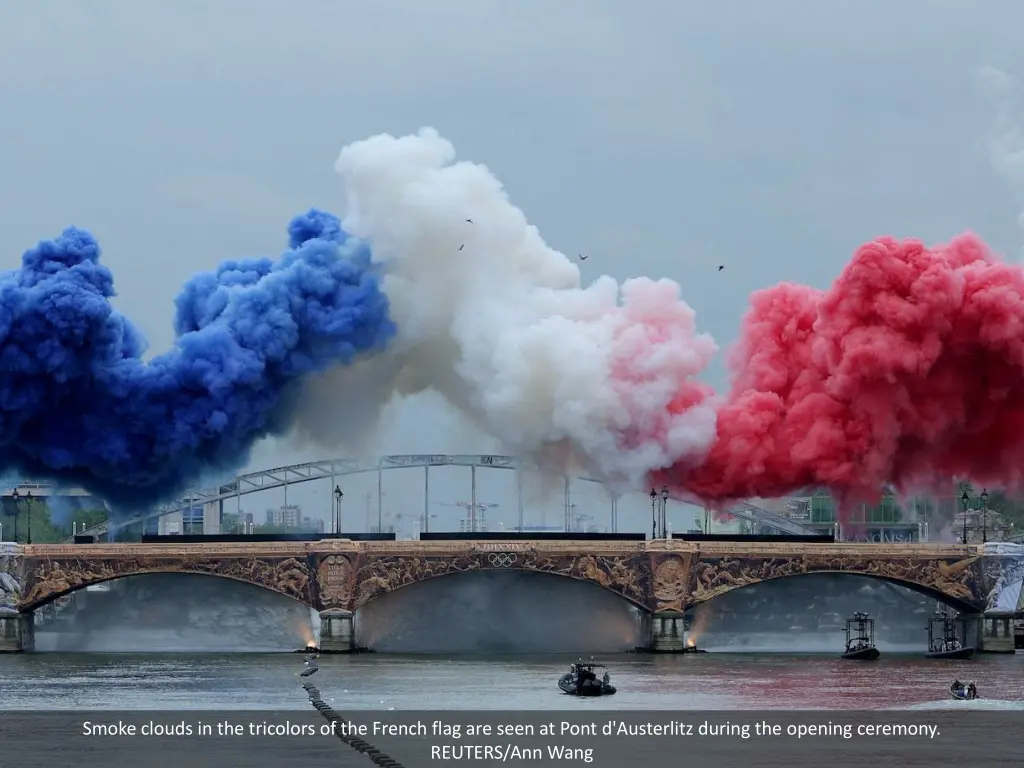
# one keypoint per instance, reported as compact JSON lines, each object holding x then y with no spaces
{"x":176,"y":613}
{"x":490,"y":612}
{"x":808,"y":614}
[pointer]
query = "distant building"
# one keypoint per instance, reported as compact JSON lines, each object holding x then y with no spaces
{"x":287,"y":516}
{"x":473,"y":526}
{"x":68,"y":500}
{"x":313,"y":525}
{"x":892,"y":519}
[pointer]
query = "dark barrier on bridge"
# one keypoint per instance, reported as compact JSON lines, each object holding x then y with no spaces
{"x":213,"y":538}
{"x":822,"y":538}
{"x":528,"y":536}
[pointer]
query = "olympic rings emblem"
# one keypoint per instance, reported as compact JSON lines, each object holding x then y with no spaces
{"x":502,"y":559}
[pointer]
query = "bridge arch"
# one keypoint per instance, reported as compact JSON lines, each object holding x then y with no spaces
{"x":624,"y":576}
{"x":52,"y":579}
{"x":959,"y":601}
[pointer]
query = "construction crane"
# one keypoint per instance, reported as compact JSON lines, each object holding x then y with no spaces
{"x":476,"y":522}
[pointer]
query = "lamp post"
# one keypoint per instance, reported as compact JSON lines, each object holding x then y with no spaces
{"x":338,"y":496}
{"x":17,"y":512}
{"x":664,"y":512}
{"x":984,"y":516}
{"x":654,"y":515}
{"x":964,"y":501}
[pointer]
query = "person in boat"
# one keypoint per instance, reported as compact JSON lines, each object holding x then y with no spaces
{"x":972,"y":691}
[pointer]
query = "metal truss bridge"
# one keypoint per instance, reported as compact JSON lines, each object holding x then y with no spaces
{"x":283,"y":477}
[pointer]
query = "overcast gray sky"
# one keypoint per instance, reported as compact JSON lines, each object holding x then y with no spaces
{"x":661,"y":137}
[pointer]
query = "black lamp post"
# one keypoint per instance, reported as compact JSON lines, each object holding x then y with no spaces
{"x":17,"y":512}
{"x":984,"y":516}
{"x":664,"y":512}
{"x":338,"y":496}
{"x":965,"y":500}
{"x":654,"y":515}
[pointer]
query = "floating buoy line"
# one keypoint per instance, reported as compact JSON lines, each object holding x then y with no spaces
{"x":358,"y":744}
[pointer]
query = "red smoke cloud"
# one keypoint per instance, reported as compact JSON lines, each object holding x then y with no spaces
{"x":908,"y":371}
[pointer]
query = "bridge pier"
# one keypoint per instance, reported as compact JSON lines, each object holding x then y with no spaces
{"x":17,"y":632}
{"x":996,"y":633}
{"x":337,"y":631}
{"x":663,"y":632}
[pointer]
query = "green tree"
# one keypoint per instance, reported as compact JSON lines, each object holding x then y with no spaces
{"x":274,"y":529}
{"x":1010,"y":507}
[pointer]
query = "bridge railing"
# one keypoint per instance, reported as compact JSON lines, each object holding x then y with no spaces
{"x":442,"y":548}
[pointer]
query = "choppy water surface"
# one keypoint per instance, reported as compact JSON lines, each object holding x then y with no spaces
{"x":377,"y":681}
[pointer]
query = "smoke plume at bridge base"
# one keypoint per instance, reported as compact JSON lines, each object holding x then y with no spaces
{"x":807,"y":614}
{"x":499,"y":612}
{"x":175,"y":613}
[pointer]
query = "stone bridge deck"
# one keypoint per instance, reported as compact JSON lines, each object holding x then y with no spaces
{"x":657,"y":576}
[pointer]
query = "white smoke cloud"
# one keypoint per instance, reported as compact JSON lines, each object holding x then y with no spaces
{"x":501,"y":326}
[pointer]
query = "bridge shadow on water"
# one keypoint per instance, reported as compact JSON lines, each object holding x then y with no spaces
{"x":495,"y":612}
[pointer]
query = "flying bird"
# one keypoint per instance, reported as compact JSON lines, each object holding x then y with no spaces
{"x":582,"y":257}
{"x":462,"y":246}
{"x":469,"y":221}
{"x":721,"y":267}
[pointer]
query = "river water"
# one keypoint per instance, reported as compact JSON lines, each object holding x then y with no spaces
{"x":719,"y":681}
{"x":752,"y":636}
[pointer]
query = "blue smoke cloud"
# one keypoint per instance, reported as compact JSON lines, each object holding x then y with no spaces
{"x":78,"y":405}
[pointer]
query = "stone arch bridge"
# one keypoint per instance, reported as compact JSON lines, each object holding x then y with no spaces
{"x":336,"y":577}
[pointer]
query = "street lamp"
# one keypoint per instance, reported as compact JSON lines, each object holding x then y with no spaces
{"x":653,"y":515}
{"x":17,"y":512}
{"x":965,"y":500}
{"x":664,"y":512}
{"x":338,"y":496}
{"x":984,"y":516}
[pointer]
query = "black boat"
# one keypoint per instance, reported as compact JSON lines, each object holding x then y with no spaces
{"x":860,"y":638}
{"x":582,"y":680}
{"x":963,"y":692}
{"x":943,"y":642}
